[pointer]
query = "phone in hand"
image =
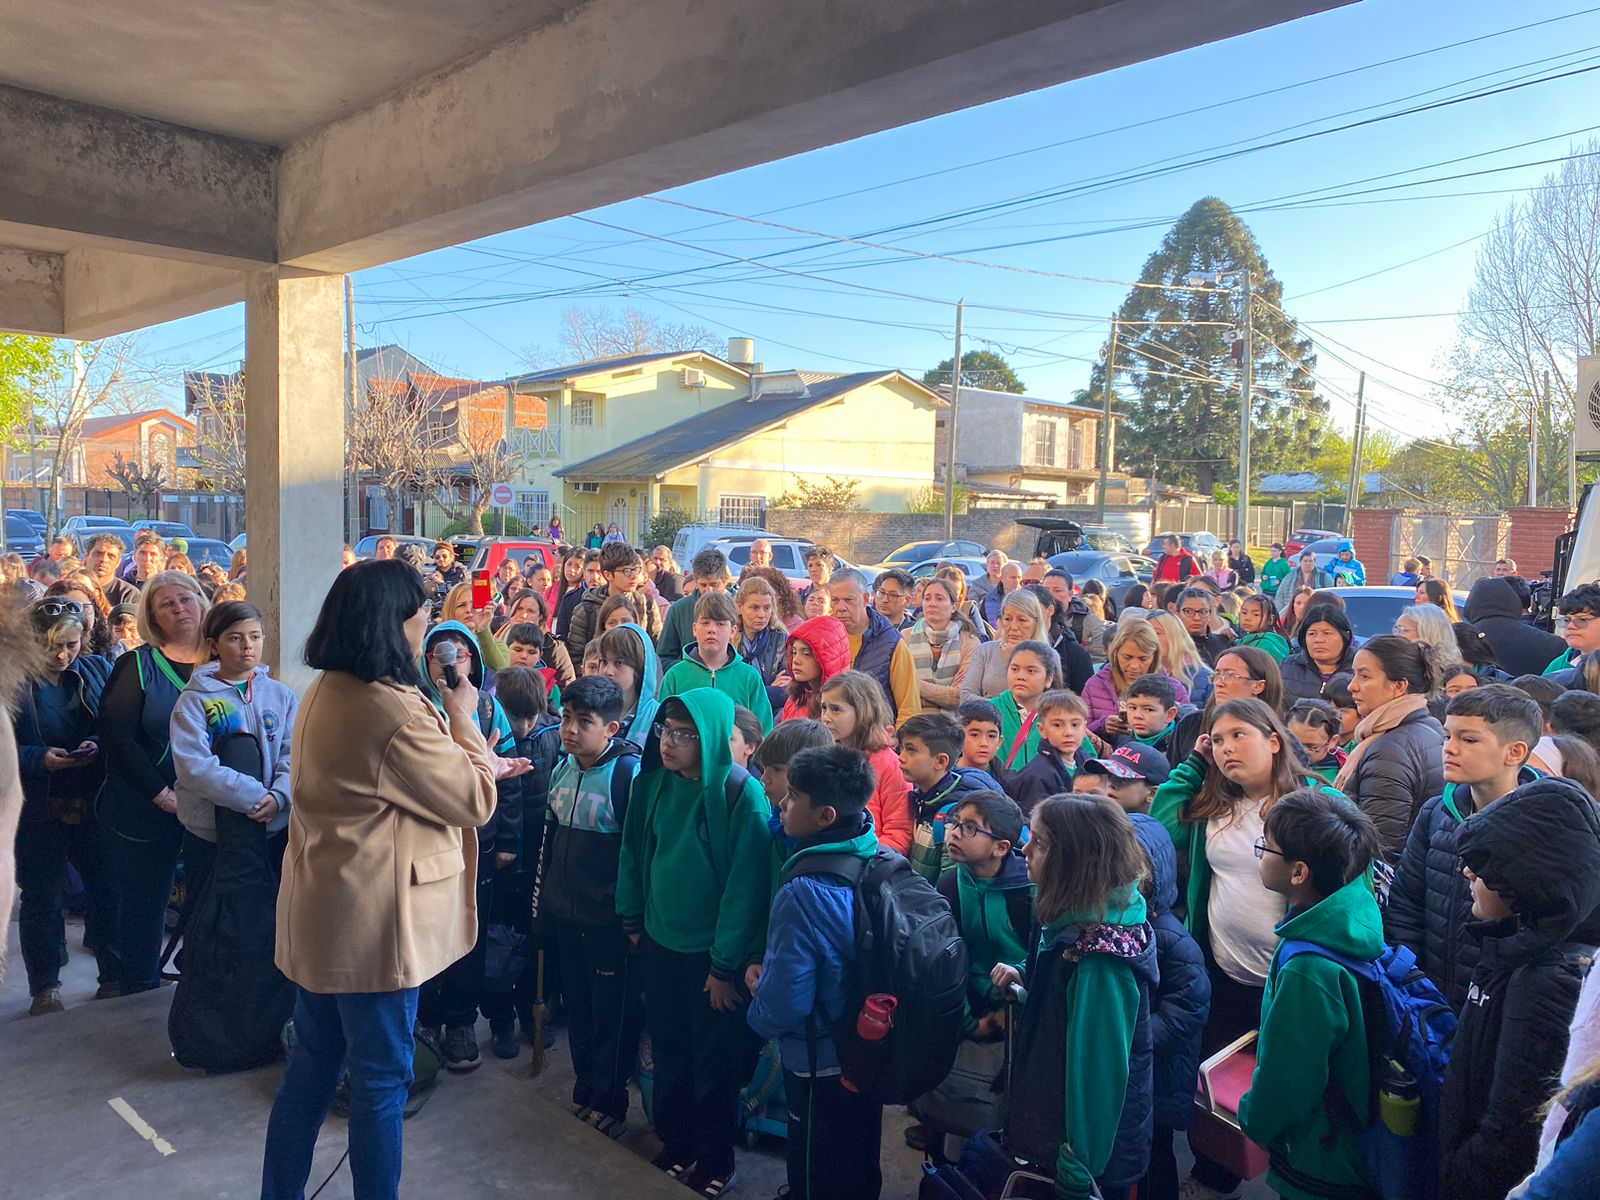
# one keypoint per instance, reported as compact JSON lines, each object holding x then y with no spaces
{"x":84,"y":752}
{"x":482,"y":596}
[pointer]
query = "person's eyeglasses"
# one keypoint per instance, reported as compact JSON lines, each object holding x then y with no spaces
{"x":59,"y":608}
{"x":1577,"y":622}
{"x":972,"y":829}
{"x":1194,"y":612}
{"x":1233,"y":677}
{"x":676,"y":737}
{"x":1263,"y":848}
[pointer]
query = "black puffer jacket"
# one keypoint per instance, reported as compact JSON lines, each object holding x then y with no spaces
{"x":1495,"y":610}
{"x":1539,"y":848}
{"x":1302,"y":680}
{"x":1430,"y":902}
{"x":1396,"y":774}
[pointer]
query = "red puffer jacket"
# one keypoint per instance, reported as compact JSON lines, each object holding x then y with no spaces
{"x":829,"y":644}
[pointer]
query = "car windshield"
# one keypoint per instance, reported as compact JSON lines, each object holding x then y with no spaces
{"x":1372,"y":615}
{"x":16,"y":527}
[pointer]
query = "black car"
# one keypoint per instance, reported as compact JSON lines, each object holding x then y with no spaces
{"x":32,"y":516}
{"x":23,"y":539}
{"x":1118,"y":572}
{"x":1056,"y":535}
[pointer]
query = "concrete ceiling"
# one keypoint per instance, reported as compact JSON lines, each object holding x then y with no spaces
{"x":264,"y":70}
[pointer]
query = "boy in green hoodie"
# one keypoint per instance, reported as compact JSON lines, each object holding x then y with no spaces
{"x":1314,"y":853}
{"x":712,"y":661}
{"x":693,"y":891}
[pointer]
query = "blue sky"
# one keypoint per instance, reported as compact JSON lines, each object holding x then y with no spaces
{"x":474,"y":310}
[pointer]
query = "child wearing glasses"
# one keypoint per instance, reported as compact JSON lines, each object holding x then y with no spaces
{"x":576,"y":896}
{"x":1581,"y":608}
{"x":693,"y":891}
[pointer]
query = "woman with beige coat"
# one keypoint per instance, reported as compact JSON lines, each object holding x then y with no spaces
{"x":378,"y":891}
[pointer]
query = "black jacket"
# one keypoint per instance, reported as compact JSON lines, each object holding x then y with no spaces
{"x":1495,"y":610}
{"x":1539,"y":848}
{"x":1046,"y":775}
{"x":1430,"y":903}
{"x":1302,"y":680}
{"x":1076,"y":665}
{"x":584,"y":624}
{"x":1396,"y":774}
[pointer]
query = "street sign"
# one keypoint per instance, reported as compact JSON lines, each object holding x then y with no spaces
{"x":501,"y":495}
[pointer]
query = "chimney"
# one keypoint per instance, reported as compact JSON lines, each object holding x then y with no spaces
{"x":742,"y":353}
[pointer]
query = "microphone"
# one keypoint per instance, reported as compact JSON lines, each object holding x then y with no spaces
{"x":445,"y":654}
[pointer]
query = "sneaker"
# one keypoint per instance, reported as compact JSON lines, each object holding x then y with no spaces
{"x":917,"y":1137}
{"x":671,"y":1167}
{"x":702,"y":1183}
{"x":612,"y":1127}
{"x":1192,"y":1189}
{"x":108,"y":991}
{"x":503,"y":1039}
{"x":460,"y":1049}
{"x":47,"y":1001}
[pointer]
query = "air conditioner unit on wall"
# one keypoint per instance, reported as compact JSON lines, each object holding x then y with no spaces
{"x":1586,"y":409}
{"x":691,"y":377}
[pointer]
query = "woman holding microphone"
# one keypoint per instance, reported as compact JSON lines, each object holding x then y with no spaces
{"x":378,"y":891}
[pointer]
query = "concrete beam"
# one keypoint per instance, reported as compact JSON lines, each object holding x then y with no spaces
{"x":30,"y":291}
{"x":615,"y":98}
{"x":294,"y":490}
{"x":119,"y":181}
{"x":109,"y":292}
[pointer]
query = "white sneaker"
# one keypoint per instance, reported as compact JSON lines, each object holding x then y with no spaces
{"x":1192,"y":1189}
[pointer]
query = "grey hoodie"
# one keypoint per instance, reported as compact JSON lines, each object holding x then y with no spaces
{"x":210,"y":708}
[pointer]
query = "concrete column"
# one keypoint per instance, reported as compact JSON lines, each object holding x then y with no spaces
{"x":294,"y":450}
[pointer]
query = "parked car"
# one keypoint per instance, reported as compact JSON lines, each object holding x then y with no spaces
{"x":200,"y":551}
{"x":242,"y":542}
{"x":1118,"y":572}
{"x":970,"y":567}
{"x":492,"y":551}
{"x":1300,"y":538}
{"x":912,"y":553}
{"x":1056,"y":535}
{"x":1200,"y":544}
{"x":1373,"y":610}
{"x":166,"y":529}
{"x":1099,"y":537}
{"x":691,"y":539}
{"x":368,"y":546}
{"x":788,"y":557}
{"x":32,"y":516}
{"x":22,"y":538}
{"x":81,"y":529}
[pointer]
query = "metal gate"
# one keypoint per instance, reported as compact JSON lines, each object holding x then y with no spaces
{"x":1462,"y":549}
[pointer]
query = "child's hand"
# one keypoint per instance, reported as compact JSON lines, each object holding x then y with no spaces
{"x":503,"y":859}
{"x":266,"y":809}
{"x":1115,"y":726}
{"x":724,"y":997}
{"x":57,"y":759}
{"x":782,"y":680}
{"x":1202,"y":747}
{"x":752,"y":977}
{"x":1004,"y":976}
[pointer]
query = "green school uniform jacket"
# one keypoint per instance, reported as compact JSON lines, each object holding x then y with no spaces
{"x":1010,"y":726}
{"x":738,"y":681}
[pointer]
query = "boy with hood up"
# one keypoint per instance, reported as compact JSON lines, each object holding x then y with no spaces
{"x":451,"y":997}
{"x":693,"y":890}
{"x":1533,"y":861}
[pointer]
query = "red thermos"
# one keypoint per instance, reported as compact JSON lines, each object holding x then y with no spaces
{"x":874,"y":1022}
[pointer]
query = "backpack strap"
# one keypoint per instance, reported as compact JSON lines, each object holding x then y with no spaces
{"x":733,"y":786}
{"x":1369,"y":971}
{"x":852,"y":868}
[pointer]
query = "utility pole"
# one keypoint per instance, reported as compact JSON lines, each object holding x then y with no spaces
{"x":950,"y":429}
{"x":1246,"y":387}
{"x":352,"y":506}
{"x":1533,"y":441}
{"x":1105,"y":420}
{"x":1353,"y":496}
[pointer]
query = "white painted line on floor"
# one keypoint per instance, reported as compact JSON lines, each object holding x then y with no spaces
{"x":125,"y":1110}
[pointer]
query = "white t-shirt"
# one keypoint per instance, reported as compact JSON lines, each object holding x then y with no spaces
{"x":1243,"y":914}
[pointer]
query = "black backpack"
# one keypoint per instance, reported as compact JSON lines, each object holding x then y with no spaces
{"x":908,"y":945}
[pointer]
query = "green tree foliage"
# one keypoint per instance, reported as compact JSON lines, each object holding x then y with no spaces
{"x":26,"y":364}
{"x":1176,"y":378}
{"x":831,"y":495}
{"x":930,"y":499}
{"x":665,"y":524}
{"x":979,"y":368}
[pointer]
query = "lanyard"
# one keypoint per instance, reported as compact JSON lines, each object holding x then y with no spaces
{"x":165,"y":668}
{"x":1022,"y":737}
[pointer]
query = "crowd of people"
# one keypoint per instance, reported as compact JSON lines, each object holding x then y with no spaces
{"x":1158,"y":826}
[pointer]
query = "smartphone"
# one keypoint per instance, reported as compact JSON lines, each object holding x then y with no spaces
{"x":482,"y":597}
{"x":86,"y":752}
{"x":1122,"y":713}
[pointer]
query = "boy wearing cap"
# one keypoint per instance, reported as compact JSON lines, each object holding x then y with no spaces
{"x":1134,"y":772}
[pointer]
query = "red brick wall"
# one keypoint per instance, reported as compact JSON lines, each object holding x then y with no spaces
{"x":1372,"y":529}
{"x":1531,"y":537}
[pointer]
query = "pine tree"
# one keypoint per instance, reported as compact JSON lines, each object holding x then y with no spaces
{"x":1176,"y":377}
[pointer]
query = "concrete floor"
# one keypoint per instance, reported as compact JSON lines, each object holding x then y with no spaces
{"x":495,"y":1131}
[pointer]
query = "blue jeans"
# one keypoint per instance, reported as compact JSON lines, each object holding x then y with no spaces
{"x":370,"y":1033}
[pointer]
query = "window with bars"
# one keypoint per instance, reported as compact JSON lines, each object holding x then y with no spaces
{"x":741,"y":510}
{"x":584,"y":412}
{"x":533,"y":508}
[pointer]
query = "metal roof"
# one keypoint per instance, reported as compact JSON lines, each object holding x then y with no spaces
{"x":704,"y":433}
{"x":603,"y":365}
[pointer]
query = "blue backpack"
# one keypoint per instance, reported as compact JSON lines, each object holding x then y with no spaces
{"x":1398,"y":1132}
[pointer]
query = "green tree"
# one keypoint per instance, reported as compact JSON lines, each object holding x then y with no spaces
{"x":665,"y":524}
{"x":1176,"y":377}
{"x":26,"y":364}
{"x":831,"y":495}
{"x":979,"y":368}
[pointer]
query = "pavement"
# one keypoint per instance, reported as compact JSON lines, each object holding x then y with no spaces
{"x":95,"y":1103}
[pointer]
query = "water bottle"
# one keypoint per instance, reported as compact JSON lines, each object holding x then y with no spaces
{"x":873,"y":1024}
{"x":1400,"y":1101}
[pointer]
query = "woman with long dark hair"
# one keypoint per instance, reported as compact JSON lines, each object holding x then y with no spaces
{"x":379,"y":883}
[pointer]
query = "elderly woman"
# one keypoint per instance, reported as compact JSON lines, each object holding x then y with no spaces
{"x":60,"y":775}
{"x":1019,"y":618}
{"x":379,"y":881}
{"x":140,"y":835}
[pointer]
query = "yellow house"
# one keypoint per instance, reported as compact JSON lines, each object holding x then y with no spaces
{"x":730,"y":461}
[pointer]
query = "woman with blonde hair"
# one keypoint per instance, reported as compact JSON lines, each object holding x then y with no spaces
{"x":236,"y":568}
{"x":942,"y":644}
{"x":457,"y":606}
{"x":1181,"y":658}
{"x":1134,"y":650}
{"x":1021,"y":619}
{"x":760,"y":637}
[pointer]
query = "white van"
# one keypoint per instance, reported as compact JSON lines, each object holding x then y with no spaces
{"x":692,"y":539}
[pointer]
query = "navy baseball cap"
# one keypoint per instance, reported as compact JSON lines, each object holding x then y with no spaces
{"x":1133,"y":761}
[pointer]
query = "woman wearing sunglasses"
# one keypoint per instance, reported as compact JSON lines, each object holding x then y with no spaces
{"x":139,"y":829}
{"x":60,"y":766}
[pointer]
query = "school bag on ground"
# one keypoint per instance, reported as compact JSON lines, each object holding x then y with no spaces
{"x":1409,"y":1027}
{"x":909,"y":946}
